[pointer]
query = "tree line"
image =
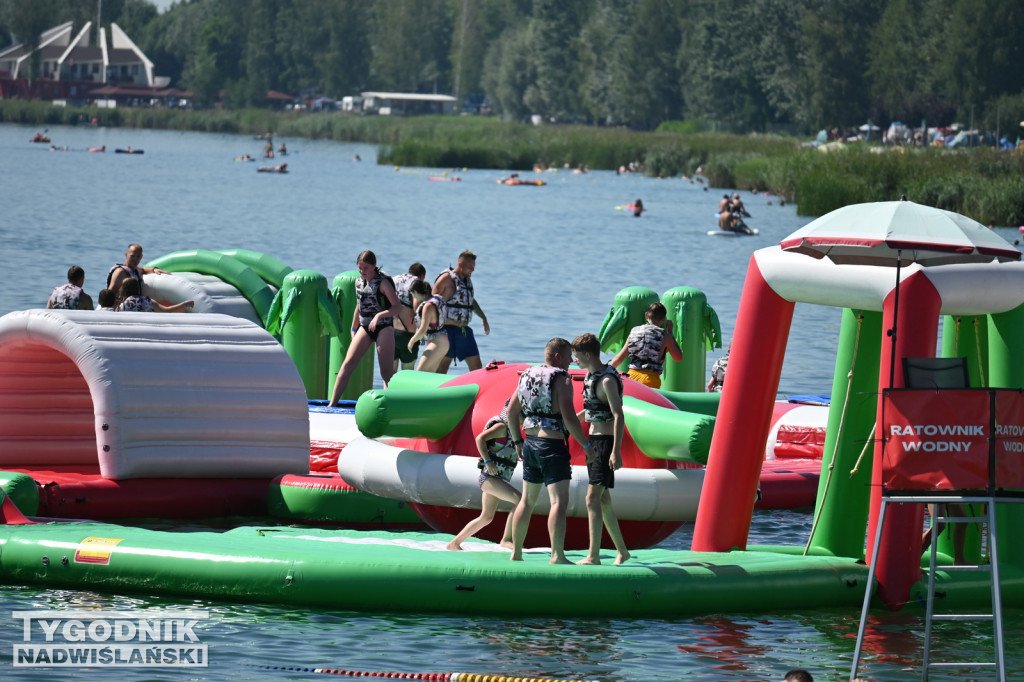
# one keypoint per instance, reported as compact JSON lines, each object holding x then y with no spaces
{"x":736,"y":65}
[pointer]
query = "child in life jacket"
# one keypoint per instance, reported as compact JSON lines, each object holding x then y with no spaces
{"x":498,"y":460}
{"x":646,"y":346}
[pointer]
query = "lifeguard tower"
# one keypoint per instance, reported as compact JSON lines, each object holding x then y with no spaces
{"x":959,"y":450}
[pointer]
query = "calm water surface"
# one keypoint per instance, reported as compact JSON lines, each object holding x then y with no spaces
{"x":550,"y":259}
{"x":550,"y":262}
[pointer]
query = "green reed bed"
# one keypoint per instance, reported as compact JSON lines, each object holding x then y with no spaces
{"x":985,"y":184}
{"x":40,"y":113}
{"x":491,"y":143}
{"x":516,"y":146}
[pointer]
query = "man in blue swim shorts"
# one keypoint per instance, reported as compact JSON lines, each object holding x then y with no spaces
{"x":543,"y":403}
{"x":455,"y":285}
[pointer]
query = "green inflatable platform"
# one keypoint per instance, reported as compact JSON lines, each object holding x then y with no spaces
{"x":413,"y":572}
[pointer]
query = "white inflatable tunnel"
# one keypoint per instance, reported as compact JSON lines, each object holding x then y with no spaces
{"x":149,"y":395}
{"x":211,"y":294}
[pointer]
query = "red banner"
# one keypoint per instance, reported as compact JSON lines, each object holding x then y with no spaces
{"x":1010,"y":440}
{"x":936,"y":440}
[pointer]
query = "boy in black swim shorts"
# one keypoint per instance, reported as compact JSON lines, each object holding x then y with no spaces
{"x":602,"y":409}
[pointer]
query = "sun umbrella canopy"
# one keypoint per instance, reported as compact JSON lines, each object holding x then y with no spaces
{"x":883,"y":232}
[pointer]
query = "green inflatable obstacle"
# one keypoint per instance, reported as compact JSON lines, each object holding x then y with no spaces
{"x":269,"y":268}
{"x":695,"y":327}
{"x":697,"y":330}
{"x":23,"y":491}
{"x":410,"y":378}
{"x":844,"y":488}
{"x":663,"y":433}
{"x":967,"y":336}
{"x":343,"y":292}
{"x":1006,"y":370}
{"x":415,"y":412}
{"x":303,"y":314}
{"x":228,"y":268}
{"x":326,"y":500}
{"x":627,"y":312}
{"x":701,"y":403}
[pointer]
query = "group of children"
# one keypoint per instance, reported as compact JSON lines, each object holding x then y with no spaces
{"x":395,"y":314}
{"x":539,"y":398}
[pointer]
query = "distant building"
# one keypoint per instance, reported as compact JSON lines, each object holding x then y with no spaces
{"x":280,"y":100}
{"x":352,"y":104}
{"x":405,"y":104}
{"x":72,"y":67}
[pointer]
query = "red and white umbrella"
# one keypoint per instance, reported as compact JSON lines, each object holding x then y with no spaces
{"x":888,"y":233}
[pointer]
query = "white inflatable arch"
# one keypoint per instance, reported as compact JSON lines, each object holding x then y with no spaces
{"x":148,"y":395}
{"x":211,"y":294}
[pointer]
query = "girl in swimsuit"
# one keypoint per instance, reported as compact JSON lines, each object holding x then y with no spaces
{"x":372,"y":323}
{"x":498,"y":461}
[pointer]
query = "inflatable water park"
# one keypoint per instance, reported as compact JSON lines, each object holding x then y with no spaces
{"x":222,"y":411}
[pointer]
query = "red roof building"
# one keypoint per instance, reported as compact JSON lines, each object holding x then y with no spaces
{"x":72,"y":66}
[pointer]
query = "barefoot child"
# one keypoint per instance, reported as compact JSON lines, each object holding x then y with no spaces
{"x":498,"y":460}
{"x":602,"y":408}
{"x":372,"y":323}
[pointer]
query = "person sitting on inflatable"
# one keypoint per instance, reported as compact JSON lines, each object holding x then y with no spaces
{"x":70,"y":296}
{"x":726,"y":222}
{"x":723,"y":204}
{"x":737,"y":207}
{"x":646,"y":346}
{"x":107,"y":300}
{"x":498,"y":460}
{"x":431,"y":312}
{"x":130,"y":269}
{"x":133,"y":300}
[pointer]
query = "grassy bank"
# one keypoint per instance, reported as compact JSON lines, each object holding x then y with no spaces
{"x":982,"y":183}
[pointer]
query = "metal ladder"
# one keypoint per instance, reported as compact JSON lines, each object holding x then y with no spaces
{"x":992,"y":568}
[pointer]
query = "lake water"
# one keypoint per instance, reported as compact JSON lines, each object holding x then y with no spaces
{"x":550,"y":260}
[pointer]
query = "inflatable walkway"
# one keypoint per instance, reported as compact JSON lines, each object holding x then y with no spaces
{"x":412,"y":572}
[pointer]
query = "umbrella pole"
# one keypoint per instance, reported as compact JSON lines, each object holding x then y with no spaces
{"x":895,"y":317}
